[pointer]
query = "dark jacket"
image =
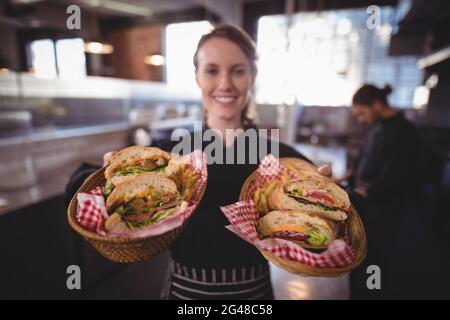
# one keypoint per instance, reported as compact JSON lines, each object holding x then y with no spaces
{"x":389,"y":166}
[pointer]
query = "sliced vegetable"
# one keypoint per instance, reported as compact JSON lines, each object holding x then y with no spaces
{"x":160,"y":162}
{"x":305,"y":201}
{"x":162,"y":214}
{"x":321,"y":196}
{"x":107,"y":189}
{"x":154,"y":219}
{"x":317,"y":239}
{"x":136,"y":170}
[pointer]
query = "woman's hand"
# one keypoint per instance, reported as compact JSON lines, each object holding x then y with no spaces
{"x":325,"y":170}
{"x":107,"y":157}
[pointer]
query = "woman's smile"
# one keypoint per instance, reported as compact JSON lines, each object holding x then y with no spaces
{"x":225,"y":101}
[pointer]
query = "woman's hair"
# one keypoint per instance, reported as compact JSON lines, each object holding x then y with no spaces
{"x":368,"y":94}
{"x":245,"y":43}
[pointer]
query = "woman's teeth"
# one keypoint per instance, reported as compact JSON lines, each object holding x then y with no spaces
{"x":225,"y":99}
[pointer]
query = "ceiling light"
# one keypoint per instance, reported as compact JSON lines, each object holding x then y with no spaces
{"x":98,"y":48}
{"x":155,"y":60}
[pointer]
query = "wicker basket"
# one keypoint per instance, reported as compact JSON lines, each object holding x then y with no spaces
{"x":119,"y":249}
{"x":356,"y":239}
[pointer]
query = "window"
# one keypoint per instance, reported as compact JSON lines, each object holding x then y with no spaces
{"x":43,"y":59}
{"x":328,"y":57}
{"x":62,"y":58}
{"x":71,"y":58}
{"x":181,"y":41}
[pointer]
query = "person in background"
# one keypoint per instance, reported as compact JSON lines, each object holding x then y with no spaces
{"x":207,"y":260}
{"x":387,"y":171}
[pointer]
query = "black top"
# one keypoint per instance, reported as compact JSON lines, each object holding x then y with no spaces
{"x":205,"y":242}
{"x":389,"y":164}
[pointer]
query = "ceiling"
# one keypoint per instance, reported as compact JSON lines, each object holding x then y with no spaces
{"x":424,"y":28}
{"x":144,"y":8}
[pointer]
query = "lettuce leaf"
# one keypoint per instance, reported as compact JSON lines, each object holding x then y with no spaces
{"x":317,"y":239}
{"x":154,"y":219}
{"x":107,"y":189}
{"x":136,"y":170}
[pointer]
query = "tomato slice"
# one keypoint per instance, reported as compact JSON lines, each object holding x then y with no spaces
{"x":321,"y":196}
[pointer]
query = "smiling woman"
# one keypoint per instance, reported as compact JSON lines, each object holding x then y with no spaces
{"x":225,"y":71}
{"x":207,"y":260}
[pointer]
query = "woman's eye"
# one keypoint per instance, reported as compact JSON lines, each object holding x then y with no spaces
{"x":211,"y":71}
{"x":239,"y":72}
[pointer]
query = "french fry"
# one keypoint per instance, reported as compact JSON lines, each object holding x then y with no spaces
{"x":285,"y":177}
{"x":261,"y":194}
{"x":264,"y":206}
{"x":260,"y":201}
{"x":257,"y":198}
{"x":291,"y":167}
{"x":271,"y":186}
{"x":257,"y":195}
{"x":190,"y":177}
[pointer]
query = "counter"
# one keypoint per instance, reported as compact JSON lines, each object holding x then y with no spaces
{"x":55,"y":155}
{"x":48,"y":186}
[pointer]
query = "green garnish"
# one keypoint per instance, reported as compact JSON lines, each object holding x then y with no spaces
{"x":156,"y":218}
{"x":106,"y":190}
{"x":136,"y":170}
{"x":317,"y":239}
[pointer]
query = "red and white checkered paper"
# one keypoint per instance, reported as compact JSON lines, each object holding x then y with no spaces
{"x":244,"y":218}
{"x":91,"y":212}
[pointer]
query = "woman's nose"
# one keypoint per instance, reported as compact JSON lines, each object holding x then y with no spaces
{"x":225,"y":81}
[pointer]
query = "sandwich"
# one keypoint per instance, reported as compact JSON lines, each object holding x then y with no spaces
{"x":135,"y":160}
{"x":307,"y":230}
{"x":146,"y":199}
{"x":318,"y":197}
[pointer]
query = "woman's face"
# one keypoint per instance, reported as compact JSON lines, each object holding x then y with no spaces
{"x":225,"y":78}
